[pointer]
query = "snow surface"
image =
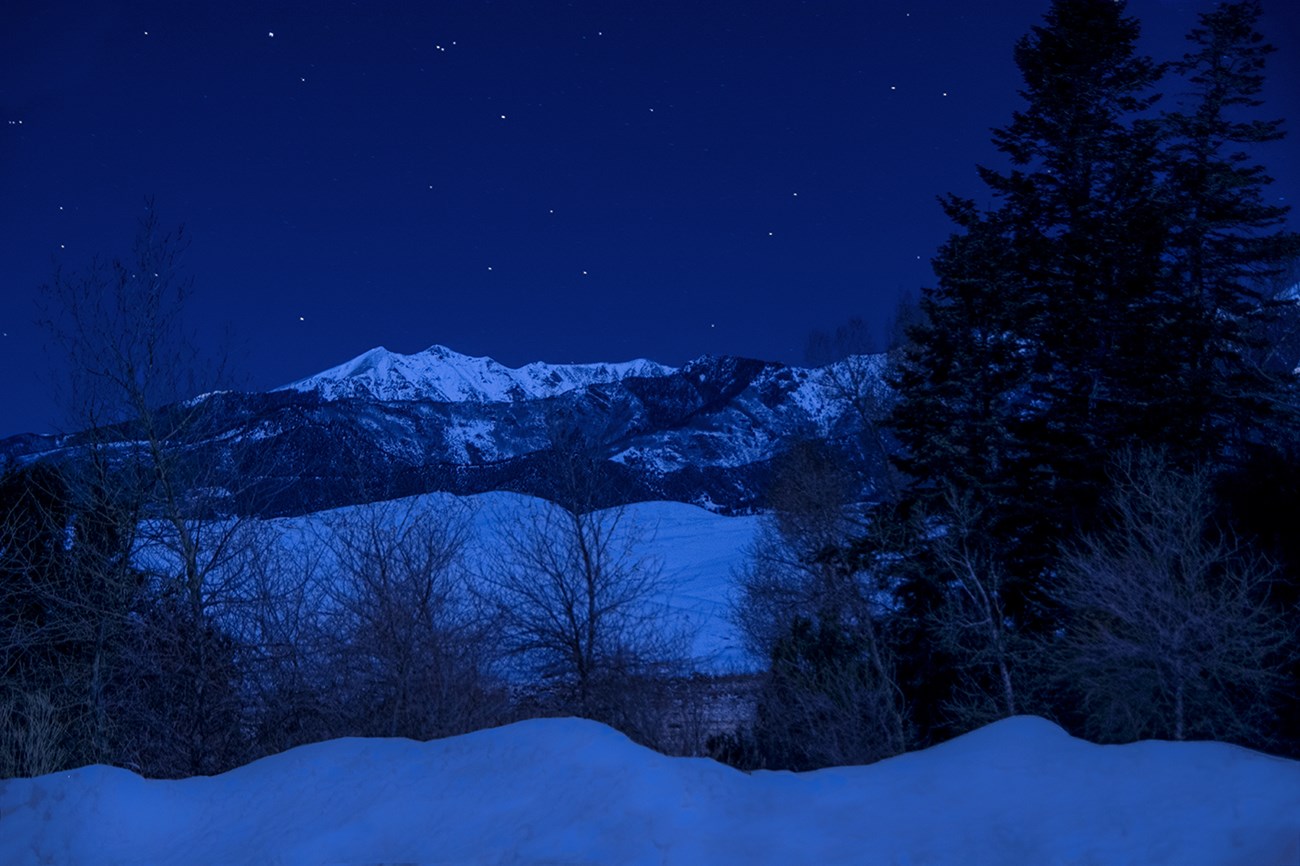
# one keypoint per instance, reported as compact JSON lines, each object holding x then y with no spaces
{"x":697,"y":554}
{"x":442,"y":375}
{"x":566,"y":791}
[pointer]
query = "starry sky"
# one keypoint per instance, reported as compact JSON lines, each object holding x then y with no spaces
{"x":525,"y":179}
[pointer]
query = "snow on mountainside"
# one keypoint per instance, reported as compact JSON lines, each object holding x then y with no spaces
{"x":386,"y":425}
{"x":441,"y":375}
{"x":1020,"y":792}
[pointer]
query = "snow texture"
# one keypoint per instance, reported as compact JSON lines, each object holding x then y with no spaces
{"x":441,"y":375}
{"x":566,"y":791}
{"x":695,"y":552}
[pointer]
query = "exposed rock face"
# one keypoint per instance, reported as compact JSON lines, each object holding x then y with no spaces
{"x":386,"y":425}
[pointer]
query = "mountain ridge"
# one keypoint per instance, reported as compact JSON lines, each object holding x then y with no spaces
{"x":445,"y":375}
{"x":384,"y":425}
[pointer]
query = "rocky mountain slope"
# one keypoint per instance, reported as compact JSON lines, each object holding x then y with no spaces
{"x":385,"y":425}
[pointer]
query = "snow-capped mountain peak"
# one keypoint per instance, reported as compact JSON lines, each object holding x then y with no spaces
{"x":705,"y":433}
{"x":440,"y":374}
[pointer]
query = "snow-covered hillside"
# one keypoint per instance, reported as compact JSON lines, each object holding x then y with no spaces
{"x":563,"y":791}
{"x":696,"y":553}
{"x":441,"y":375}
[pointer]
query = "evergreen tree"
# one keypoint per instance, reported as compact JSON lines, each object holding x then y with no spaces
{"x":1084,"y":233}
{"x":1229,"y":246}
{"x":67,"y":592}
{"x":820,"y":704}
{"x":1028,"y":366}
{"x":1225,"y":240}
{"x":35,"y":515}
{"x":1107,"y":299}
{"x":960,"y":372}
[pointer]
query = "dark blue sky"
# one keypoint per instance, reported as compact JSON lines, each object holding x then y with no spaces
{"x":527,"y":180}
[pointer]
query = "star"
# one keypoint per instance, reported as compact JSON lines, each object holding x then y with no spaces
{"x":271,"y":34}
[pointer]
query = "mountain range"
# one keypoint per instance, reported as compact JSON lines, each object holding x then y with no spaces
{"x":387,"y":424}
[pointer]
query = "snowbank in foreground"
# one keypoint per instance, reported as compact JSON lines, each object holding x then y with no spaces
{"x":567,"y":791}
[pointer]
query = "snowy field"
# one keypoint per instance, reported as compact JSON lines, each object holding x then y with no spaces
{"x":695,"y":552}
{"x":564,"y":791}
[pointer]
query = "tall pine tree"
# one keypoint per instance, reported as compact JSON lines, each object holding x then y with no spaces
{"x":1225,"y":241}
{"x":1018,"y":381}
{"x":1105,"y":300}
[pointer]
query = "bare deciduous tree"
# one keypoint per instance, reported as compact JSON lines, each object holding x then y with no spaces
{"x":972,"y":622}
{"x":1170,"y":632}
{"x":286,"y":640}
{"x":412,"y":652}
{"x":359,"y":622}
{"x":31,"y":736}
{"x":134,"y":369}
{"x":807,"y":609}
{"x":796,"y":565}
{"x":578,"y":600}
{"x":853,"y":374}
{"x":67,"y":589}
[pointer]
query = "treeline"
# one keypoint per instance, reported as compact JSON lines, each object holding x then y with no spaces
{"x":177,"y":643}
{"x":1094,"y":427}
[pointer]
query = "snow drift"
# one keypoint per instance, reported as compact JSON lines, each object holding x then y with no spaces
{"x":568,"y":791}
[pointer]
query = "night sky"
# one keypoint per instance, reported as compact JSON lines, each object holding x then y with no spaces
{"x":527,"y":180}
